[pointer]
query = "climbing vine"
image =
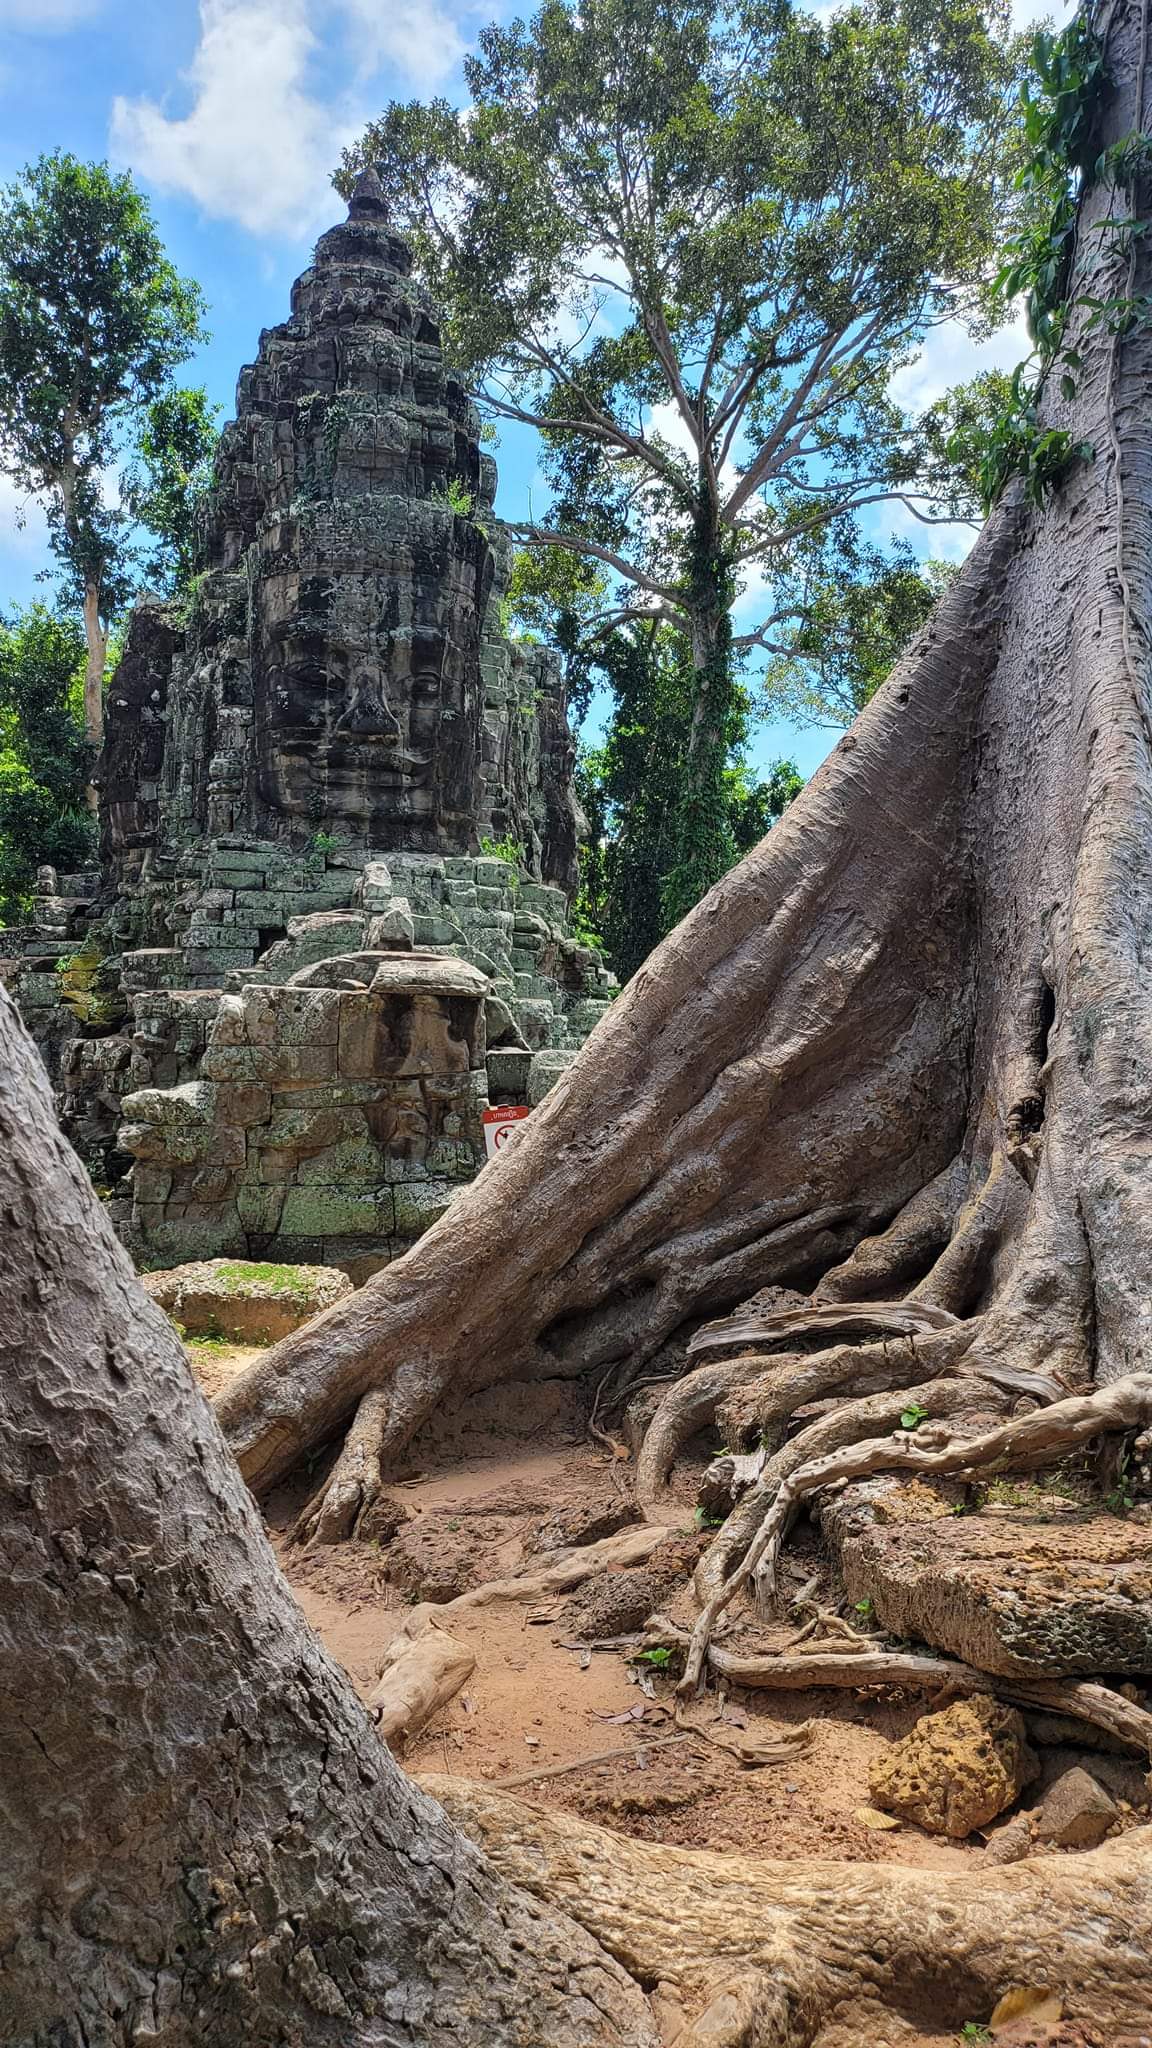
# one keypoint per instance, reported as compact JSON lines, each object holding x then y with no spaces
{"x":1061,"y":115}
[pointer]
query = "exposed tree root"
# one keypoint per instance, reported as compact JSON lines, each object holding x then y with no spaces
{"x":959,"y":1275}
{"x":337,"y":1508}
{"x":772,"y":1330}
{"x":758,"y":1402}
{"x":420,"y":1675}
{"x":901,"y":1253}
{"x":773,"y":1952}
{"x":627,"y":1547}
{"x":850,"y":1424}
{"x":842,"y":1669}
{"x":1028,"y":1442}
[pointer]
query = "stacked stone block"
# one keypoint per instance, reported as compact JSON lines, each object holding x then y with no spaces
{"x":326,"y":1125}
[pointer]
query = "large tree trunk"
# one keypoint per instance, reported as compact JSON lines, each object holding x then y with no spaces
{"x":905,"y":1047}
{"x":96,"y":637}
{"x":202,"y":1838}
{"x":204,"y":1841}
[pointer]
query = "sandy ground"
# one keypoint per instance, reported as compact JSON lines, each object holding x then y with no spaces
{"x":476,"y":1499}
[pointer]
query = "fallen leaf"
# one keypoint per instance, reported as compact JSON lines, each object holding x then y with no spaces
{"x":635,"y":1713}
{"x":468,"y":1703}
{"x":644,"y":1681}
{"x":871,"y":1817}
{"x":1026,"y":2002}
{"x":533,"y":1741}
{"x":585,"y":1660}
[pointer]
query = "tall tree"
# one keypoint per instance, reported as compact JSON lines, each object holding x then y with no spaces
{"x":690,"y":243}
{"x":93,"y":320}
{"x":43,"y":757}
{"x":163,"y":490}
{"x":853,"y":631}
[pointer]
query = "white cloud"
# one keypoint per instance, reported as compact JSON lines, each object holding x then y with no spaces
{"x":950,"y":356}
{"x":258,"y":145}
{"x":255,"y":147}
{"x":47,"y":17}
{"x":419,"y":38}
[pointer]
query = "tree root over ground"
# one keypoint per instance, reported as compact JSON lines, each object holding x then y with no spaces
{"x":873,"y":1665}
{"x":763,"y":1955}
{"x":1026,"y":1444}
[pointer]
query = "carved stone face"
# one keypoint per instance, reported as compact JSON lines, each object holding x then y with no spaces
{"x":367,"y":702}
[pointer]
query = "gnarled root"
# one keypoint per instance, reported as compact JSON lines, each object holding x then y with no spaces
{"x":774,"y":1394}
{"x":775,"y":1951}
{"x":912,"y":1241}
{"x":760,"y":1407}
{"x":855,"y":1421}
{"x":842,"y":1669}
{"x":355,"y":1482}
{"x":778,"y":1329}
{"x":420,"y":1674}
{"x":1029,"y":1442}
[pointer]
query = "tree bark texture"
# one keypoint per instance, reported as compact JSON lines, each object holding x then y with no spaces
{"x":769,"y":1955}
{"x":96,"y":637}
{"x":903,"y":1049}
{"x":202,"y":1838}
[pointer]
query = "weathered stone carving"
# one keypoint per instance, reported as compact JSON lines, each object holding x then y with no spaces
{"x":341,"y":666}
{"x":299,"y":770}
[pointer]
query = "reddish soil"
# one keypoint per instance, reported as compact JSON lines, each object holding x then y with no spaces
{"x":479,"y":1499}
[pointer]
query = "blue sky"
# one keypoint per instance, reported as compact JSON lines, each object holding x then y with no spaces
{"x":231,"y":114}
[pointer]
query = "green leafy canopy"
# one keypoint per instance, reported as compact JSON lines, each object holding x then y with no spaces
{"x":43,"y":759}
{"x":94,"y":319}
{"x":689,"y":244}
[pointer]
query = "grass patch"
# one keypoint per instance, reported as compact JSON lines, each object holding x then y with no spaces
{"x":238,"y":1275}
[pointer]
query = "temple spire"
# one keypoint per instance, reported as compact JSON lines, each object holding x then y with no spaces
{"x":368,"y":201}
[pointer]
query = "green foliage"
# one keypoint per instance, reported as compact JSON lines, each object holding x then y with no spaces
{"x":93,"y":321}
{"x":974,"y":2030}
{"x":236,"y":1276}
{"x":641,"y":801}
{"x":863,"y":1608}
{"x":1019,"y":445}
{"x":912,"y":1416}
{"x":658,"y":1659}
{"x":43,"y":757}
{"x":164,"y":491}
{"x":1061,"y":109}
{"x":459,"y":498}
{"x":861,"y":613}
{"x":510,"y":850}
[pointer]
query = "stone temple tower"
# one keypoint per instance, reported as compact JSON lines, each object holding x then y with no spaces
{"x":338,"y":830}
{"x":341,"y":668}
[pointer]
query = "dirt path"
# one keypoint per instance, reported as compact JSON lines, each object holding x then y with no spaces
{"x":477,"y":1506}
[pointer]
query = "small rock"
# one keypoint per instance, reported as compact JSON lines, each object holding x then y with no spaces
{"x":383,"y":1519}
{"x":1011,"y":1843}
{"x":957,"y":1769}
{"x":619,"y":1603}
{"x":1075,"y":1812}
{"x":584,"y":1521}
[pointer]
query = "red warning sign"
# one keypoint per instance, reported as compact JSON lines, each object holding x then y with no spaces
{"x":500,"y":1125}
